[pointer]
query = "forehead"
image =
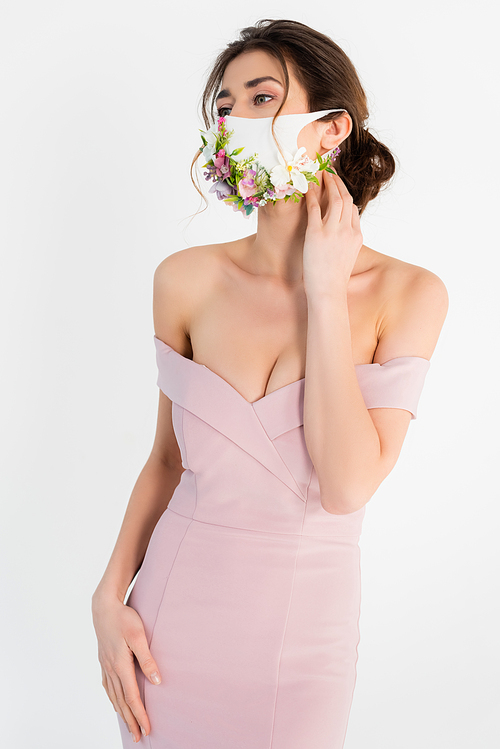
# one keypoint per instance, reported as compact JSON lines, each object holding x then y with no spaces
{"x":249,"y":66}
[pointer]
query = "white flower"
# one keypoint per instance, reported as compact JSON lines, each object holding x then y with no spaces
{"x":291,"y":168}
{"x":209,"y":150}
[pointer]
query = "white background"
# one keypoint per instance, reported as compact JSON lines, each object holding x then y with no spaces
{"x":99,"y":121}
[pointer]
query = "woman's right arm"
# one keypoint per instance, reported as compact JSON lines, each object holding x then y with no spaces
{"x":149,"y":499}
{"x":119,"y":628}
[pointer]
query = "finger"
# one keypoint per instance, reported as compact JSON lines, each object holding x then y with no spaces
{"x":133,"y":700}
{"x":335,"y":204}
{"x":126,"y":712}
{"x":139,"y":646}
{"x":341,"y":186}
{"x":356,"y":219}
{"x":313,"y":206}
{"x":345,"y":196}
{"x":110,"y":691}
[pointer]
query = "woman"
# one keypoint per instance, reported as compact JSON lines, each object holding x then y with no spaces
{"x":290,"y":365}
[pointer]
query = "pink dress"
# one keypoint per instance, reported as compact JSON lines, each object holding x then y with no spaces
{"x":249,"y":590}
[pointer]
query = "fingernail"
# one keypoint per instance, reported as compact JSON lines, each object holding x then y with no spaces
{"x":155,"y":677}
{"x":143,"y":731}
{"x":134,"y":739}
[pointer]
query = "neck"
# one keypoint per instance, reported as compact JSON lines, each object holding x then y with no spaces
{"x":276,"y":248}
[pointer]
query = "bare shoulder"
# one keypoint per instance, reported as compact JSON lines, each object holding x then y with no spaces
{"x":400,"y":278}
{"x":181,"y":282}
{"x":415,"y":305}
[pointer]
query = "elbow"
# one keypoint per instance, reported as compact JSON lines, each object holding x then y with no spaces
{"x":346,"y":494}
{"x":343,"y":502}
{"x":344,"y":505}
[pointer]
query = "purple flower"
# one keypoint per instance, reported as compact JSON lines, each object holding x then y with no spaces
{"x":222,"y":189}
{"x":210,"y":173}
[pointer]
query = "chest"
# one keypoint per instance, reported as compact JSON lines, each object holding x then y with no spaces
{"x":254,"y":333}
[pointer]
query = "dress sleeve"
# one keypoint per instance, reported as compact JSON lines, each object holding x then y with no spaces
{"x":397,"y":383}
{"x":166,"y":370}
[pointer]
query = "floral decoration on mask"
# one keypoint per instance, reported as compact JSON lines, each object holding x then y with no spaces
{"x":246,"y":184}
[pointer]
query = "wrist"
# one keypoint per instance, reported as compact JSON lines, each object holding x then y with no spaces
{"x":335,"y":294}
{"x":107,"y":592}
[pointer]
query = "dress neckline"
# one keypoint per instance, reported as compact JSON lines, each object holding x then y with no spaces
{"x":281,"y":389}
{"x":204,"y":366}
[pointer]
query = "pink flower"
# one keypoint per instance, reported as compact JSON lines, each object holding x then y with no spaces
{"x":281,"y":190}
{"x":221,"y":163}
{"x":246,"y":185}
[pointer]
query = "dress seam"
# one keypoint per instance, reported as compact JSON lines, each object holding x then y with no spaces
{"x":286,"y":627}
{"x":274,"y":533}
{"x":298,"y":493}
{"x":357,"y":653}
{"x":302,"y":494}
{"x":150,"y":743}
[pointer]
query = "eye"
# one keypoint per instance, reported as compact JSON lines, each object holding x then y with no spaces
{"x":257,"y":96}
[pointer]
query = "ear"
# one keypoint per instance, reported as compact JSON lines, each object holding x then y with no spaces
{"x":335,"y":132}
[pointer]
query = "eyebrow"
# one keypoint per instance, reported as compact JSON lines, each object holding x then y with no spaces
{"x":249,"y":84}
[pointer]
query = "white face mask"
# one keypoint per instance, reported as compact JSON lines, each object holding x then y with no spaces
{"x":274,"y":175}
{"x":256,"y":136}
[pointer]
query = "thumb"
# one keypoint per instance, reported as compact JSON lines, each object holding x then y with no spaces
{"x":146,"y":660}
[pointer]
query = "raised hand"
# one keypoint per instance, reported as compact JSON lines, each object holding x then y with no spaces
{"x":332,"y":242}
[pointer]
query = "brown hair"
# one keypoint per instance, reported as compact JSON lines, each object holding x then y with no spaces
{"x":330,"y":81}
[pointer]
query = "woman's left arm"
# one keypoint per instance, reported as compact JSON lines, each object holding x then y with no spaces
{"x":352,"y":448}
